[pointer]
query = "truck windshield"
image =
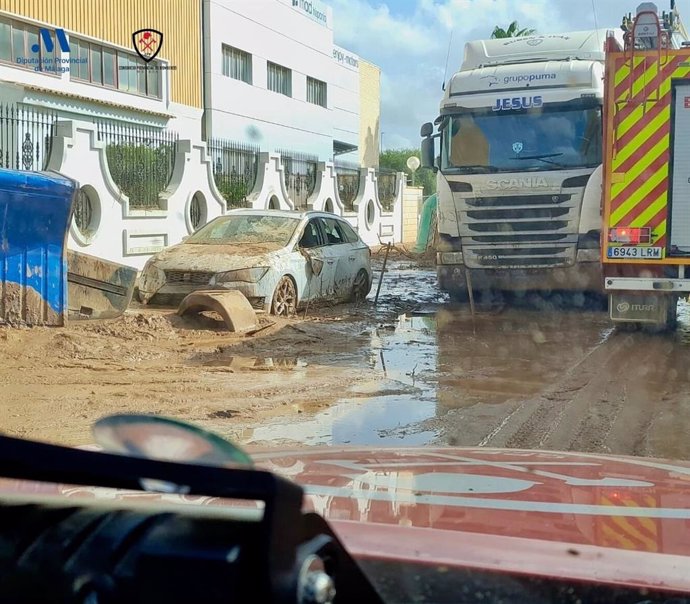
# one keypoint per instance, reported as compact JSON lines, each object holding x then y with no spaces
{"x":548,"y":138}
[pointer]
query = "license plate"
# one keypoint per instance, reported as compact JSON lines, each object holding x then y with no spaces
{"x":636,"y":252}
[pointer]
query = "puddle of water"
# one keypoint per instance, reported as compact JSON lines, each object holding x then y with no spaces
{"x":404,"y":395}
{"x":430,"y":363}
{"x":256,"y":363}
{"x":437,"y":358}
{"x":376,"y":421}
{"x":407,"y":288}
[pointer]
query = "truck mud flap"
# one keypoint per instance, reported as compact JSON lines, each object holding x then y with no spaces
{"x":97,"y":288}
{"x":640,"y":308}
{"x":35,"y":212}
{"x":232,"y":306}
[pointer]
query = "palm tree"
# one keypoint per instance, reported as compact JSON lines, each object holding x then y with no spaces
{"x":513,"y":31}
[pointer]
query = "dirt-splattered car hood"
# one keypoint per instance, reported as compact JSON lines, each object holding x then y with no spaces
{"x":215,"y":258}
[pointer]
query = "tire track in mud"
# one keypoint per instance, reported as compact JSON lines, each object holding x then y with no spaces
{"x":607,"y":402}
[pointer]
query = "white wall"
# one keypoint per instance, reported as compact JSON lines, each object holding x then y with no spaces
{"x":274,"y":30}
{"x":129,"y":236}
{"x":345,"y":96}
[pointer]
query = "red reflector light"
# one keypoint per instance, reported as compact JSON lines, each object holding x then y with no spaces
{"x":630,"y":235}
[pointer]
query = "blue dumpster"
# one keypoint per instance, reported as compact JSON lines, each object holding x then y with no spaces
{"x":35,"y":212}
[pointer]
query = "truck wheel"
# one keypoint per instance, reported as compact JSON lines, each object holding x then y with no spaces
{"x":672,"y":315}
{"x":459,"y":295}
{"x":456,"y":292}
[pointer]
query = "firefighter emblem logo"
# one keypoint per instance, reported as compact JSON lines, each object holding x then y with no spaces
{"x":147,"y":43}
{"x":517,"y":148}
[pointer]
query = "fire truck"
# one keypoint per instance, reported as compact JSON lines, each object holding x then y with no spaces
{"x":646,"y":180}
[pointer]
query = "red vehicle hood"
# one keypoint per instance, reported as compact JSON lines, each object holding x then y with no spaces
{"x":618,"y":520}
{"x":613,"y":519}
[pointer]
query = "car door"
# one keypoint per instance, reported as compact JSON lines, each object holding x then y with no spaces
{"x":340,"y":251}
{"x":358,"y":252}
{"x":317,"y":271}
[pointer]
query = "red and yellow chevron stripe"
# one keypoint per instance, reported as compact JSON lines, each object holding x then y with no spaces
{"x":638,"y":138}
{"x":629,"y":532}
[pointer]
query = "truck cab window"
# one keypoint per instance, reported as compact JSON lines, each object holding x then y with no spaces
{"x":557,"y":137}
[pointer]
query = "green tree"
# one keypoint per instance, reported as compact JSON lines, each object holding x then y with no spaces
{"x":396,"y":159}
{"x":513,"y":31}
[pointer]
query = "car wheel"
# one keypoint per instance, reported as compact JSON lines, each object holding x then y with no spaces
{"x":285,"y":298}
{"x":360,"y":286}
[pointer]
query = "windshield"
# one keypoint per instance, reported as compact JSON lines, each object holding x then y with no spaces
{"x":550,"y":138}
{"x":247,"y":229}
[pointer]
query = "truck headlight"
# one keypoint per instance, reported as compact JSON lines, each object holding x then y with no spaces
{"x":248,"y":275}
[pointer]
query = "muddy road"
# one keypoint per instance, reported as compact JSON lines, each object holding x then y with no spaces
{"x":415,"y":370}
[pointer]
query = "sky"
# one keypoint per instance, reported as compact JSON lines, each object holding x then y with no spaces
{"x":409,"y":41}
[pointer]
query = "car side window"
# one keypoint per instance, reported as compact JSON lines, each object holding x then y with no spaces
{"x":312,"y":235}
{"x":348,"y":232}
{"x":334,"y":234}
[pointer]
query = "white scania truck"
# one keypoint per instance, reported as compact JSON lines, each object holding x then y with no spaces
{"x":519,"y":165}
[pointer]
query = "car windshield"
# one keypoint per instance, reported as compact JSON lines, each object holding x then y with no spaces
{"x":542,"y":139}
{"x":247,"y":229}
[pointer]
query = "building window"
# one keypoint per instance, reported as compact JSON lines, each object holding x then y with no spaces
{"x":112,"y":68}
{"x":237,"y":64}
{"x":17,"y":43}
{"x":316,"y":92}
{"x":279,"y":79}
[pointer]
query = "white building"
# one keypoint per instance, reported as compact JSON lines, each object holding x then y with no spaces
{"x":138,"y":136}
{"x":274,"y":78}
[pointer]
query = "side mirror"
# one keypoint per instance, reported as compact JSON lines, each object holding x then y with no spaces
{"x":428,"y":151}
{"x":426,"y":130}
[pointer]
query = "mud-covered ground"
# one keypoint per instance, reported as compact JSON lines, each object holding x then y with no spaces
{"x":412,"y":370}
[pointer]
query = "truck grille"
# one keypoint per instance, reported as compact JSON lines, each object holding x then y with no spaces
{"x":527,"y":231}
{"x":517,"y":226}
{"x":190,"y":277}
{"x":513,"y":238}
{"x":527,"y":257}
{"x":517,"y":213}
{"x":520,"y":200}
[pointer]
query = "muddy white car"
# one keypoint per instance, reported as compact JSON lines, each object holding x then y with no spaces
{"x":277,"y":259}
